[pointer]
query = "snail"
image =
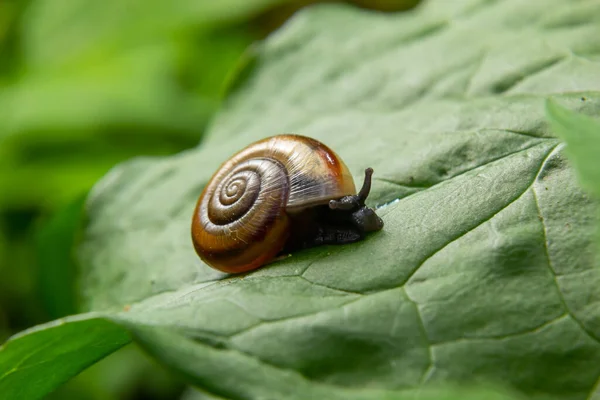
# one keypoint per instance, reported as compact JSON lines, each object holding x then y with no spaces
{"x":278,"y":195}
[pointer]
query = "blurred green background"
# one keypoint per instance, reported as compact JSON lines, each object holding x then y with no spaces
{"x":85,"y":85}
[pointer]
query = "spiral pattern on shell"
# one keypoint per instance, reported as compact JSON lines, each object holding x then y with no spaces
{"x":243,"y":213}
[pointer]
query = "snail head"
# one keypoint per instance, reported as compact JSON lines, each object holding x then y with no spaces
{"x":362,"y":216}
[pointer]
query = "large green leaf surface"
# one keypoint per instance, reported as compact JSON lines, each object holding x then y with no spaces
{"x":485,"y":268}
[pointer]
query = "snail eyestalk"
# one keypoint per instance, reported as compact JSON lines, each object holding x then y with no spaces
{"x":354,"y":202}
{"x":366,"y":188}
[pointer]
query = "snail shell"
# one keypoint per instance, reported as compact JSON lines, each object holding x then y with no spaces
{"x":241,"y":220}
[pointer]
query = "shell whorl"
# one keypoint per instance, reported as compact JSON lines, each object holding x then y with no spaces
{"x":245,"y":202}
{"x":241,"y":218}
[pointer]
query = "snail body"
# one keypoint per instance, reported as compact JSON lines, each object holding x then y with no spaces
{"x":285,"y":192}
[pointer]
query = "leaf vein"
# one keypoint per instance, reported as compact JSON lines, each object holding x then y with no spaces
{"x":410,"y":275}
{"x":503,"y":337}
{"x":427,"y":370}
{"x":561,"y":296}
{"x":467,"y":171}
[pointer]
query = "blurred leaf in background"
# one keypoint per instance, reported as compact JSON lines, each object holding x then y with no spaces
{"x":582,"y":134}
{"x":4,"y":332}
{"x":54,"y":252}
{"x":96,"y":83}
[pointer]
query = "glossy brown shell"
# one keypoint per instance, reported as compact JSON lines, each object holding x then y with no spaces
{"x":241,"y":218}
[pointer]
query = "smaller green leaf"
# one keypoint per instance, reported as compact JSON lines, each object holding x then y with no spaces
{"x":582,"y":134}
{"x":36,"y":362}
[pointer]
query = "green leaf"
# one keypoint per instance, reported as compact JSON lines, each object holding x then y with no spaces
{"x":582,"y":135}
{"x":36,"y":362}
{"x":485,"y":267}
{"x":484,"y":271}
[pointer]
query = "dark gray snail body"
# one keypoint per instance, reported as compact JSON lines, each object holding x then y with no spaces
{"x":280,"y":194}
